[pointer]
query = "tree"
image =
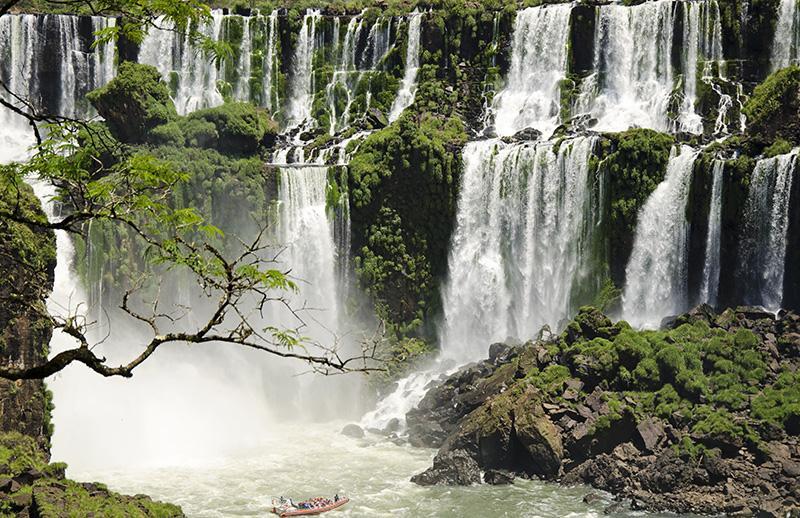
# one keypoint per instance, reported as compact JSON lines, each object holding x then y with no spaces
{"x":100,"y":179}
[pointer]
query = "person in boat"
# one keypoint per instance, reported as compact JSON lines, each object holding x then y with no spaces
{"x":336,"y":498}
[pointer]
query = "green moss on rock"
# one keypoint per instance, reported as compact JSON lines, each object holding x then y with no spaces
{"x":773,"y":111}
{"x":134,"y":102}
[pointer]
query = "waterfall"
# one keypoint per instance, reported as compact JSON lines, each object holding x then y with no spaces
{"x":525,"y":230}
{"x":786,"y":43}
{"x":345,"y":77}
{"x":306,"y":230}
{"x":19,"y":40}
{"x":764,"y":231}
{"x":242,"y":91}
{"x":408,"y":86}
{"x":522,"y":237}
{"x":656,"y":275}
{"x":301,"y":93}
{"x":711,"y":268}
{"x":191,"y":72}
{"x":633,"y":82}
{"x":702,"y":48}
{"x":27,"y":42}
{"x":270,"y":99}
{"x":531,"y":97}
{"x":380,"y":43}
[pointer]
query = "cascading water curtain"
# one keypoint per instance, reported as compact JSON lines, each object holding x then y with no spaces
{"x":762,"y":260}
{"x":521,"y":240}
{"x":657,"y":271}
{"x":28,"y":45}
{"x":786,"y":43}
{"x":530,"y":98}
{"x":633,"y":82}
{"x":709,"y":288}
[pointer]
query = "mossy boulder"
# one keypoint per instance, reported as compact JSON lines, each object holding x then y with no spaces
{"x":30,"y":486}
{"x":773,"y":111}
{"x":538,"y":436}
{"x":59,"y":498}
{"x":241,"y":128}
{"x":511,"y":431}
{"x":134,"y":102}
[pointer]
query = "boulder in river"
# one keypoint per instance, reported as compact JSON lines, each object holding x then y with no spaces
{"x":353,"y":430}
{"x":451,"y":468}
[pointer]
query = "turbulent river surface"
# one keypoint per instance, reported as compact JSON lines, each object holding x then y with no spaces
{"x":315,"y":459}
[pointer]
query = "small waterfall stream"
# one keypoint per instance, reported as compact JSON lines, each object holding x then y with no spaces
{"x":656,"y":275}
{"x":301,"y":92}
{"x":531,"y":97}
{"x":711,"y":268}
{"x":766,"y":222}
{"x":408,"y":87}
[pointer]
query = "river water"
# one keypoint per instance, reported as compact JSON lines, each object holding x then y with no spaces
{"x":305,"y":460}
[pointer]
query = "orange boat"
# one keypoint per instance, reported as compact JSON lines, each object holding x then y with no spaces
{"x":284,"y":508}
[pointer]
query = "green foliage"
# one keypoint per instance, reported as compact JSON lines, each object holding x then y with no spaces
{"x":779,"y":403}
{"x":772,"y":111}
{"x":779,"y":147}
{"x":394,"y":263}
{"x":551,"y":380}
{"x":404,"y":356}
{"x":634,"y":162}
{"x":402,"y":182}
{"x":169,"y":134}
{"x":30,"y":251}
{"x":19,"y":453}
{"x":241,"y":128}
{"x":134,"y":102}
{"x":73,"y":500}
{"x":229,"y":192}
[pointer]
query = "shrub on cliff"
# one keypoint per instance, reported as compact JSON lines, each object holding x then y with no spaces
{"x":135,"y":102}
{"x":241,"y":128}
{"x":773,"y":111}
{"x":635,"y":162}
{"x":402,"y":193}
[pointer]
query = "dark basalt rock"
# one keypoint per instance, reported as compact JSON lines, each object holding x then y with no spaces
{"x":525,"y":135}
{"x":498,"y":477}
{"x":452,"y":468}
{"x":377,"y":118}
{"x":500,"y":416}
{"x":353,"y":430}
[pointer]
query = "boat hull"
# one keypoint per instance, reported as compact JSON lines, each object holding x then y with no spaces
{"x":311,"y":512}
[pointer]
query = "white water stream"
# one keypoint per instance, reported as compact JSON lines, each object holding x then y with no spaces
{"x":657,"y":274}
{"x":711,"y":268}
{"x":764,"y":233}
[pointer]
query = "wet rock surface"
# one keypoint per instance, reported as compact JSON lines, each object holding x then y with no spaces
{"x":550,"y":409}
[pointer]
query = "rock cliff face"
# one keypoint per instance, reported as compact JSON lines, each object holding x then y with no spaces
{"x":29,"y":485}
{"x":27,"y":263}
{"x":700,"y":417}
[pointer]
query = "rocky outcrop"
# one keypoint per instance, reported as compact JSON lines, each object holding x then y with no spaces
{"x":27,"y":265}
{"x":29,"y":485}
{"x":699,"y":417}
{"x":451,"y":468}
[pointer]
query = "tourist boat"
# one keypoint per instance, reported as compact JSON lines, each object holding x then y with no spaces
{"x":318,"y":505}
